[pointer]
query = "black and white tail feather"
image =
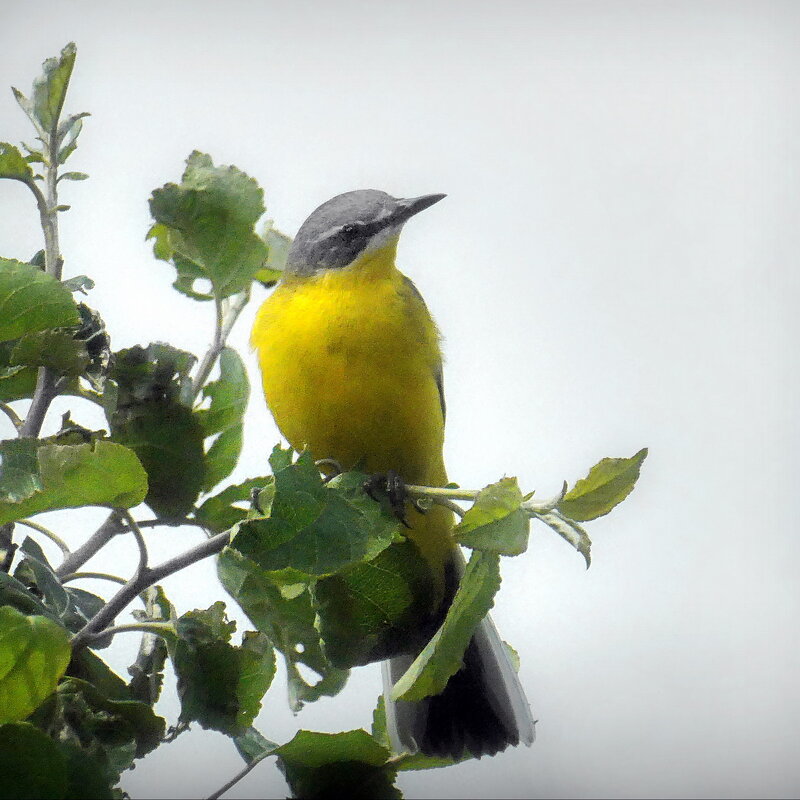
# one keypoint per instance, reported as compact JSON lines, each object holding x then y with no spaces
{"x":481,"y":711}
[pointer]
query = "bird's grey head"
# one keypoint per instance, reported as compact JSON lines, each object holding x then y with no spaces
{"x":349,"y":224}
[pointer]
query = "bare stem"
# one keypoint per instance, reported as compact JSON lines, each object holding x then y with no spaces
{"x":227,"y":314}
{"x":47,"y":387}
{"x":101,"y":576}
{"x":140,"y":542}
{"x":436,"y":492}
{"x":54,"y":537}
{"x":12,"y":415}
{"x":96,"y":542}
{"x":236,"y":778}
{"x":158,"y":628}
{"x":144,"y":578}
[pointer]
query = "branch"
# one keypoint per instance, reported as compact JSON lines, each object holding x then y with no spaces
{"x":99,"y":539}
{"x":144,"y":578}
{"x":140,"y":542}
{"x":47,"y":387}
{"x":226,"y":318}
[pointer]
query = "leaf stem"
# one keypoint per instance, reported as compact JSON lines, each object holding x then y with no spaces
{"x":163,"y":629}
{"x":140,"y":542}
{"x":12,"y":415}
{"x":96,"y":542}
{"x":227,"y":314}
{"x":236,"y":778}
{"x":62,"y":545}
{"x":102,"y":576}
{"x":435,"y":492}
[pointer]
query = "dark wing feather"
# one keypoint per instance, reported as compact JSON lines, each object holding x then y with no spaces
{"x":438,"y":375}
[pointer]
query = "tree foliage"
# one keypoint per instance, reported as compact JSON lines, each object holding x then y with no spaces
{"x":323,"y":573}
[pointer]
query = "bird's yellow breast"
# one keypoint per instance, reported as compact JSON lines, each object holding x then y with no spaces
{"x":349,"y":359}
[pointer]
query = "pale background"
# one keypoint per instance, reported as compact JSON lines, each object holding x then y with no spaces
{"x":615,"y":266}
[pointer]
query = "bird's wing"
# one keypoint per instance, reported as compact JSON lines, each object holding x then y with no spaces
{"x":438,"y":374}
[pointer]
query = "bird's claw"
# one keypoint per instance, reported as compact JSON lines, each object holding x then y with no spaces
{"x":393,"y":487}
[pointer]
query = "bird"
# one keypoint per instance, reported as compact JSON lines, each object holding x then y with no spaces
{"x":351,"y":366}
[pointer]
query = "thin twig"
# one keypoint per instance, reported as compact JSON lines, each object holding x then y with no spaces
{"x":43,"y":395}
{"x":453,"y":506}
{"x":102,"y":576}
{"x":12,"y":415}
{"x":54,"y":537}
{"x":236,"y":778}
{"x":435,"y":492}
{"x":157,"y":628}
{"x":46,"y":383}
{"x":143,"y":579}
{"x":140,"y":542}
{"x":226,"y":317}
{"x":98,"y":540}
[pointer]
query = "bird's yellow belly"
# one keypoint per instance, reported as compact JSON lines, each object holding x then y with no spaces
{"x":348,"y":372}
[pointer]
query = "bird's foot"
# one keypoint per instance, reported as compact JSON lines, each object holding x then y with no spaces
{"x":393,"y":487}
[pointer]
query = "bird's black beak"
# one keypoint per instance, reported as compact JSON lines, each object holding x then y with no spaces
{"x":407,"y":208}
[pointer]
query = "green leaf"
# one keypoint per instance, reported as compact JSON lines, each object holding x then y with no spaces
{"x":231,"y":505}
{"x":80,"y":283}
{"x":53,"y":593}
{"x":19,"y":470}
{"x":156,"y":372}
{"x":98,"y":473}
{"x":56,"y":349}
{"x":168,"y":440}
{"x":13,"y":165}
{"x":608,"y":483}
{"x":278,"y":245}
{"x":85,"y":776}
{"x":252,"y":746}
{"x":495,"y":522}
{"x":50,"y":88}
{"x":442,"y":656}
{"x":33,"y":766}
{"x":110,"y":733}
{"x":224,"y":417}
{"x":376,"y":609}
{"x":257,"y":669}
{"x":16,"y":383}
{"x":220,"y":686}
{"x":147,"y":672}
{"x":95,"y":338}
{"x":31,"y":300}
{"x":211,"y":215}
{"x":569,"y":530}
{"x":148,"y":416}
{"x":117,"y":722}
{"x":288,"y":619}
{"x":17,"y":595}
{"x":72,"y":176}
{"x":324,"y":765}
{"x":315,"y":529}
{"x":90,"y":668}
{"x":34,"y":653}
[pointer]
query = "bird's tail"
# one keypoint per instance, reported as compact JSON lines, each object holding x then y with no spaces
{"x":481,"y":711}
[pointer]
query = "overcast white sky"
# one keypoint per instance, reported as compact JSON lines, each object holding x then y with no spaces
{"x":615,"y":266}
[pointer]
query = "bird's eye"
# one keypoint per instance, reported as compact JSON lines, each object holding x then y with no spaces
{"x":350,"y":231}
